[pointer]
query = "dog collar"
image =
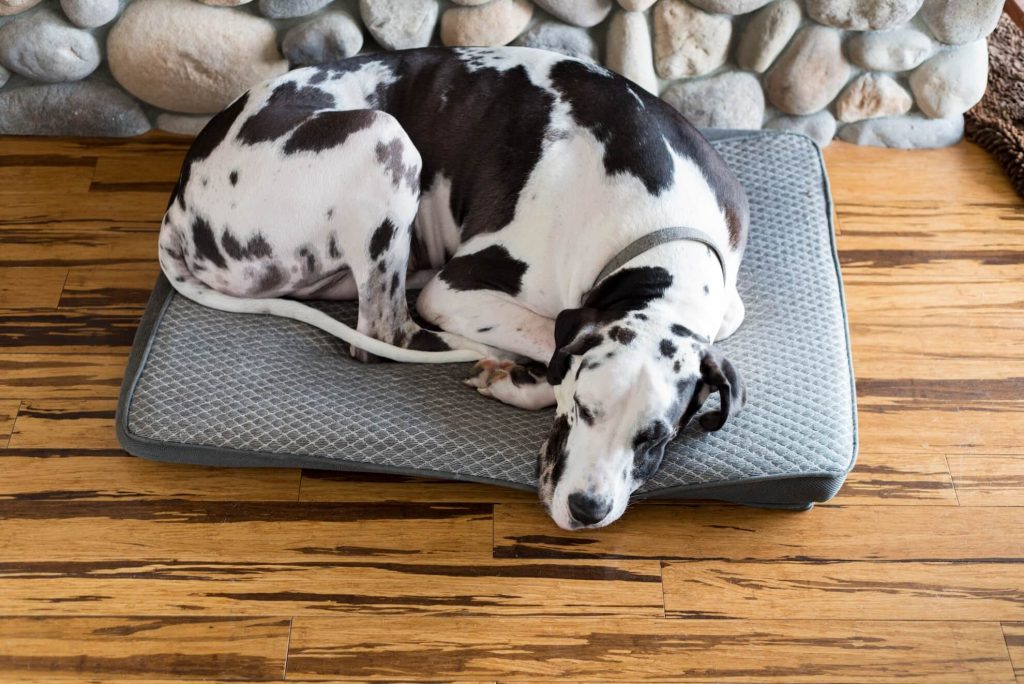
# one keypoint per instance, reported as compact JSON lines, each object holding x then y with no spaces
{"x":652,"y":240}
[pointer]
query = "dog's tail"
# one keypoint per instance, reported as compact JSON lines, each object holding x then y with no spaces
{"x":174,"y":266}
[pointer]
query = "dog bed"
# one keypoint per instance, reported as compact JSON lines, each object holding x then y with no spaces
{"x":222,"y":389}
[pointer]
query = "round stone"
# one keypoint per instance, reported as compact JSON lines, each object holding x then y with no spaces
{"x":730,"y":6}
{"x":629,"y":49}
{"x":186,"y":57}
{"x":44,"y":47}
{"x":400,"y":24}
{"x":496,"y":23}
{"x":951,"y":82}
{"x":558,"y":37}
{"x":470,"y":3}
{"x":8,"y":7}
{"x":90,"y":13}
{"x":730,"y":100}
{"x":688,"y":41}
{"x":870,"y":96}
{"x":862,"y":15}
{"x":181,"y":124}
{"x":961,"y":21}
{"x":906,"y":132}
{"x":766,"y":34}
{"x":4,"y":76}
{"x":584,"y":13}
{"x":327,"y":38}
{"x":897,"y":50}
{"x":285,"y":9}
{"x":636,"y":5}
{"x":810,"y":72}
{"x":87,"y":108}
{"x":225,"y":3}
{"x":821,"y":127}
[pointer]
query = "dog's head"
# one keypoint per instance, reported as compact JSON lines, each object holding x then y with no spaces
{"x":625,"y":384}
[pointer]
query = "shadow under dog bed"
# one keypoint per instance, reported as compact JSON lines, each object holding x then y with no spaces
{"x":221,"y":389}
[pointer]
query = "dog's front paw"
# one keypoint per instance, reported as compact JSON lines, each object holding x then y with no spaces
{"x":524,"y":386}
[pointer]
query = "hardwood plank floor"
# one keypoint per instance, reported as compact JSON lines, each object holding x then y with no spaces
{"x":113,"y":568}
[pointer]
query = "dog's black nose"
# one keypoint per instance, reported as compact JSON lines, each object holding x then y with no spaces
{"x":588,"y":510}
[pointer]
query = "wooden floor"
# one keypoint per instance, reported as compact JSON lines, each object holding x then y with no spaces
{"x":112,"y":567}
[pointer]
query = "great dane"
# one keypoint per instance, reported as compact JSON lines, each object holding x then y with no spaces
{"x":569,"y":228}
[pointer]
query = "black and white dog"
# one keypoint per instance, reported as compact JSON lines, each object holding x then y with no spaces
{"x":528,"y":191}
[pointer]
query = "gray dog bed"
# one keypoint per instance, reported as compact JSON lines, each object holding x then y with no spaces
{"x":243,"y":390}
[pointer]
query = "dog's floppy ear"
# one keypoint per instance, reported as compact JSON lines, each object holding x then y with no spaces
{"x":574,"y":335}
{"x":716,"y":373}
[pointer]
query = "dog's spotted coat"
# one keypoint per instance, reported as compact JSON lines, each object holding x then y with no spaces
{"x":505,"y":180}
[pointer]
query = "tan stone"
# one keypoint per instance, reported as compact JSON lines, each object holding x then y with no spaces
{"x":629,"y":49}
{"x":14,"y":6}
{"x":496,"y":23}
{"x":810,"y":72}
{"x":688,"y":41}
{"x":870,"y":96}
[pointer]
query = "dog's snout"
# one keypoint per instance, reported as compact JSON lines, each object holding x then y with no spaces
{"x":587,"y":509}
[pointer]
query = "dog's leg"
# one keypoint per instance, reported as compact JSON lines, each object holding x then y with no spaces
{"x":734,"y":314}
{"x":522,"y":385}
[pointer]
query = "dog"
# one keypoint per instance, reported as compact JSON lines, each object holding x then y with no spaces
{"x":528,"y":193}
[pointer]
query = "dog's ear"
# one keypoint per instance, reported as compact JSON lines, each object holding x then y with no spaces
{"x":717,"y":374}
{"x":574,"y":335}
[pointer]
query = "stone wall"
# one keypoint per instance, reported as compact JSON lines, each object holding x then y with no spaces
{"x":878,"y":72}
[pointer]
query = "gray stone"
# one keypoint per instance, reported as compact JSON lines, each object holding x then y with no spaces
{"x":636,"y":5}
{"x":897,"y":50}
{"x":284,"y":9}
{"x":187,"y":57}
{"x":906,"y":132}
{"x":4,"y":75}
{"x":8,"y":7}
{"x":730,"y":100}
{"x":400,"y":24}
{"x":557,"y":37}
{"x":90,"y":13}
{"x":327,"y":38}
{"x":730,"y":6}
{"x":584,"y":13}
{"x":688,"y":41}
{"x":181,"y":124}
{"x":951,"y":82}
{"x":961,"y":21}
{"x":496,"y":23}
{"x":87,"y":108}
{"x":225,"y":3}
{"x":821,"y":127}
{"x":870,"y":96}
{"x":44,"y":47}
{"x":810,"y":72}
{"x":629,"y":49}
{"x":471,"y":3}
{"x":861,"y":15}
{"x":766,"y":34}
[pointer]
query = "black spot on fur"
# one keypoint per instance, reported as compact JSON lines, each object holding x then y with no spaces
{"x":287,"y":107}
{"x":486,"y":328}
{"x":255,"y":248}
{"x":206,"y":243}
{"x":381,"y":238}
{"x":270,"y":279}
{"x":394,"y":284}
{"x":683,"y":331}
{"x":382,"y":267}
{"x":520,"y":375}
{"x":330,"y":213}
{"x":309,"y":265}
{"x":390,"y":157}
{"x":555,"y":452}
{"x":668,"y":349}
{"x":630,"y":289}
{"x":205,"y":143}
{"x":233,"y":177}
{"x":677,"y":366}
{"x":649,"y":448}
{"x":640,"y":316}
{"x":621,"y":334}
{"x":425,"y":340}
{"x":332,"y":247}
{"x":328,"y":129}
{"x":706,"y":290}
{"x":492,"y":268}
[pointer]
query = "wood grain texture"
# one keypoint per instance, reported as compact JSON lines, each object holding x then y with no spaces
{"x":625,"y":649}
{"x":113,"y":568}
{"x":185,"y":648}
{"x":954,"y":591}
{"x":829,"y":533}
{"x":404,"y":585}
{"x":988,"y":480}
